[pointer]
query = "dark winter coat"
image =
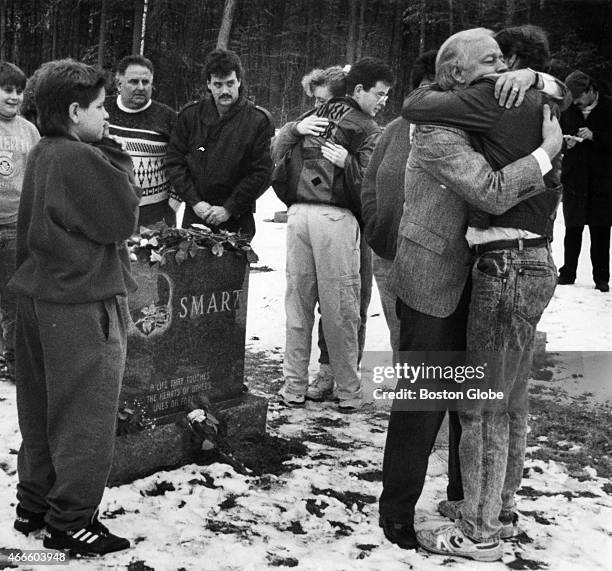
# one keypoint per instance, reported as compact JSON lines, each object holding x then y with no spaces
{"x":224,"y":161}
{"x":587,"y":167}
{"x":302,"y":174}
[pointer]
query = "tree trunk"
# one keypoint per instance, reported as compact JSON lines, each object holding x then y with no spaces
{"x":510,"y":11}
{"x":226,"y":24}
{"x":102,"y":34}
{"x":2,"y":30}
{"x":361,"y":40}
{"x":137,"y":27}
{"x":422,"y":27}
{"x":53,"y":17}
{"x":352,"y":28}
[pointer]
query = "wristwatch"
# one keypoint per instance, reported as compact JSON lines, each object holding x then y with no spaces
{"x":536,"y":78}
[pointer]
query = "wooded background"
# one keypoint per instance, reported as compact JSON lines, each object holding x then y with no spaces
{"x":279,"y":41}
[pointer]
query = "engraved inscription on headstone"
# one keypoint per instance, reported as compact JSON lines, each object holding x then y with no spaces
{"x":186,"y":335}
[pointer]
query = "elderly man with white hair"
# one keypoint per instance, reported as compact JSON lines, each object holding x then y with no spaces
{"x":445,"y":176}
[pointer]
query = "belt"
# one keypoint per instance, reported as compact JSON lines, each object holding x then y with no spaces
{"x":518,"y":244}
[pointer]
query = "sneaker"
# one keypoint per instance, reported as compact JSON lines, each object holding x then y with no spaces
{"x":27,"y":522}
{"x":351,"y":407}
{"x":291,"y":400}
{"x":400,"y":533}
{"x":509,"y":527}
{"x":452,"y":510}
{"x":95,"y":539}
{"x":602,"y":286}
{"x":322,"y":387}
{"x":450,"y":540}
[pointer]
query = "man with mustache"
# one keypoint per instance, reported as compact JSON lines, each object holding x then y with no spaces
{"x":219,"y":156}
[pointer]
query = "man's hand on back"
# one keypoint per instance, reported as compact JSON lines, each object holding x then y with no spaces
{"x":334,"y":153}
{"x":312,"y":125}
{"x":552,"y":136}
{"x":511,"y":86}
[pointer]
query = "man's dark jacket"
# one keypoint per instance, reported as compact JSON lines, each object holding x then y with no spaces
{"x":587,"y":167}
{"x":501,"y":135}
{"x":224,"y":161}
{"x":303,"y":175}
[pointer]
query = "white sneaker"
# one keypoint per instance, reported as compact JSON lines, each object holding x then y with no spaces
{"x":450,"y":540}
{"x":290,"y":399}
{"x":322,"y":387}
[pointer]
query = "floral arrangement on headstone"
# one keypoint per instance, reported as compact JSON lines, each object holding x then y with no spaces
{"x":162,"y":243}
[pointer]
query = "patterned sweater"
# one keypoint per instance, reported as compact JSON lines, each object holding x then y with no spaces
{"x":145,"y":135}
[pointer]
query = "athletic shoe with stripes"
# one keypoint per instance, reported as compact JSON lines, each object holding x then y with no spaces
{"x":26,"y":521}
{"x":95,"y":539}
{"x":450,"y":540}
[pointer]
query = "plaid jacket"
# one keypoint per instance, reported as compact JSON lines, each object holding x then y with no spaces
{"x":444,"y":175}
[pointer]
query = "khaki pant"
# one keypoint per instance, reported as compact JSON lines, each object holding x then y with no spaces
{"x":323,"y":266}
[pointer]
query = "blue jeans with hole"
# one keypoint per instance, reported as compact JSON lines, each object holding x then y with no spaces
{"x":511,"y":289}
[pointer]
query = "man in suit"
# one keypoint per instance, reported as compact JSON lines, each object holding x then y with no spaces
{"x":431,"y":270}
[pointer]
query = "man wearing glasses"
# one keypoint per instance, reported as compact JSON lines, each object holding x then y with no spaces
{"x":320,"y":166}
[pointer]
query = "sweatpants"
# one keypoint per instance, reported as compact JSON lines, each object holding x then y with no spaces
{"x":70,"y":360}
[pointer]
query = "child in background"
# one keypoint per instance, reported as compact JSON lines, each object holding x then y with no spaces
{"x":17,"y":137}
{"x":78,"y":206}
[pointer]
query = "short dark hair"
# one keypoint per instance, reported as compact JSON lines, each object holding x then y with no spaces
{"x":334,"y":78}
{"x":367,"y":72}
{"x":12,"y":76}
{"x":221,"y":63}
{"x":579,"y":82}
{"x":424,"y":66}
{"x":529,"y":44}
{"x":59,"y":84}
{"x":135,"y":59}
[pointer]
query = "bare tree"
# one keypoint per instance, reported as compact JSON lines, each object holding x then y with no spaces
{"x":2,"y":29}
{"x":137,"y":28}
{"x":352,"y":35}
{"x":226,"y":24}
{"x":102,"y":34}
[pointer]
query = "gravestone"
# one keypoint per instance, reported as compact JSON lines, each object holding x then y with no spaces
{"x":186,"y":342}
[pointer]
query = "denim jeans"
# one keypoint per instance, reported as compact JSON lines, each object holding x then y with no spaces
{"x":8,"y":301}
{"x":511,"y":289}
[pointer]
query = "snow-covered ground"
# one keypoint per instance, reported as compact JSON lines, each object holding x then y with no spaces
{"x":322,"y":514}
